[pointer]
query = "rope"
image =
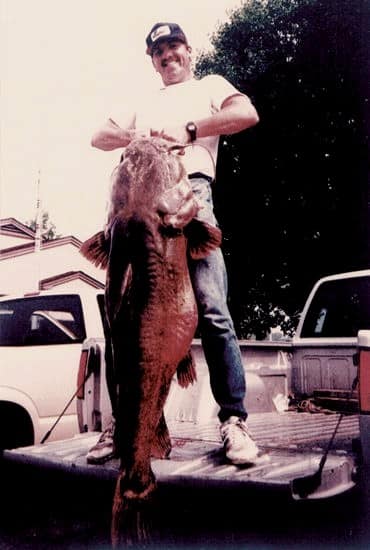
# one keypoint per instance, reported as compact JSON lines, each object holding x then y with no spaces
{"x":48,"y":433}
{"x":179,"y":146}
{"x":329,"y":446}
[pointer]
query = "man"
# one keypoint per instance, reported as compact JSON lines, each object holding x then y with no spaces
{"x":195,"y":112}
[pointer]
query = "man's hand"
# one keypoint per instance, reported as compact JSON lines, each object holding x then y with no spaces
{"x":177,"y":134}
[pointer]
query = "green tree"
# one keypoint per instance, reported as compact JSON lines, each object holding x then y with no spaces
{"x":293,"y":189}
{"x":48,"y":228}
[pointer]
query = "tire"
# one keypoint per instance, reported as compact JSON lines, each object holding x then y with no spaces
{"x":17,"y":429}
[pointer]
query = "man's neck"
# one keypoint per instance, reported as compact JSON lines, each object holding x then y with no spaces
{"x":189,"y":77}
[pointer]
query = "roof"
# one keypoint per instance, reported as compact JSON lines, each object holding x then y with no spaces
{"x":13,"y":228}
{"x":29,"y":248}
{"x":62,"y":278}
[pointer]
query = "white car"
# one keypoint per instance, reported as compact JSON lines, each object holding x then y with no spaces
{"x":40,"y":345}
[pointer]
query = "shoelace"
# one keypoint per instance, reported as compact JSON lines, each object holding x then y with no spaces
{"x":232,"y":430}
{"x":108,"y":433}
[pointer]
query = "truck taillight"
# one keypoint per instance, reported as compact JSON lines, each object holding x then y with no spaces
{"x":82,"y":372}
{"x":364,"y":381}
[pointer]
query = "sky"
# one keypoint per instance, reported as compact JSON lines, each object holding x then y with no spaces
{"x":67,"y":65}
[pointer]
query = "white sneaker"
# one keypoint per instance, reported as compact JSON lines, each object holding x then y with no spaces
{"x":104,"y":449}
{"x":238,"y":444}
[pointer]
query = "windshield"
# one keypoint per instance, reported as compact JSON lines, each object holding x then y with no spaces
{"x":41,"y":321}
{"x":339,"y":309}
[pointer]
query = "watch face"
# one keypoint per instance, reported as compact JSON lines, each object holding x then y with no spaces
{"x":192,"y":129}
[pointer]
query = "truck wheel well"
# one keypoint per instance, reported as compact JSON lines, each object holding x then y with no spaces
{"x":16,"y":428}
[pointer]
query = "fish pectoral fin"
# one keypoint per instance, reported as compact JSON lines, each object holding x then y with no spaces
{"x":202,"y":238}
{"x":96,"y":249}
{"x":186,"y":373}
{"x":161,"y":446}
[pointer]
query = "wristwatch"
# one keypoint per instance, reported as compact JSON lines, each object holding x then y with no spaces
{"x":192,"y":129}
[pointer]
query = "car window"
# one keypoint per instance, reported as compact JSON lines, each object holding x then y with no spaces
{"x":339,"y":309}
{"x":42,"y":321}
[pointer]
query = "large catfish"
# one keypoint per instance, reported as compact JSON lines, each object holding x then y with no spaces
{"x":151,"y":309}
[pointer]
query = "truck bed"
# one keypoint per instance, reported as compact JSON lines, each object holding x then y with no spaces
{"x":285,"y":440}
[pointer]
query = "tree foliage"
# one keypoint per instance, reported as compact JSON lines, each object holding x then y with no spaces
{"x":48,"y":228}
{"x":291,"y":193}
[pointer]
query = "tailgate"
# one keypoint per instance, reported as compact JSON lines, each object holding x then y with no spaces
{"x":286,"y":441}
{"x":291,"y":444}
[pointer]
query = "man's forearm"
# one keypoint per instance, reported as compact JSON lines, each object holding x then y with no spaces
{"x":236,"y":115}
{"x":224,"y":123}
{"x":108,"y":139}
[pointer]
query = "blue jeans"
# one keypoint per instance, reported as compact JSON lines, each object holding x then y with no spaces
{"x":219,"y":341}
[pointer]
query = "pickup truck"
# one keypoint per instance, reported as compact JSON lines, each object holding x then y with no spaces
{"x":307,"y":412}
{"x":40,"y":344}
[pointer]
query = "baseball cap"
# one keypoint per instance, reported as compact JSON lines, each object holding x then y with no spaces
{"x":164,"y":31}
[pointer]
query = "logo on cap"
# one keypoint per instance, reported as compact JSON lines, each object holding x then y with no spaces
{"x":160,"y":32}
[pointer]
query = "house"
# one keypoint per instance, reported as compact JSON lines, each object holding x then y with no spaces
{"x":25,"y":267}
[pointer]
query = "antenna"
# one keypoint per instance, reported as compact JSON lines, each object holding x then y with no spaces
{"x":38,"y":233}
{"x":38,"y":217}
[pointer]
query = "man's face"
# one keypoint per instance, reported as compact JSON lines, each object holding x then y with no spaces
{"x":171,"y":59}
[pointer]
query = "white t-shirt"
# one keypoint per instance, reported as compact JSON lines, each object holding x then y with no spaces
{"x":177,"y":104}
